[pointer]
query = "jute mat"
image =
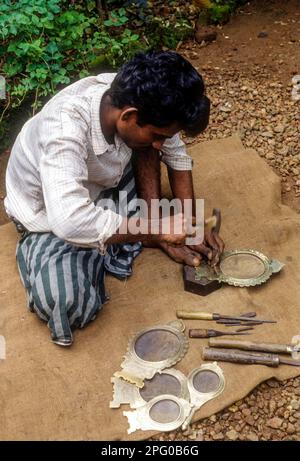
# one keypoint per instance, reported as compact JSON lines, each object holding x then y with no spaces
{"x":51,"y":393}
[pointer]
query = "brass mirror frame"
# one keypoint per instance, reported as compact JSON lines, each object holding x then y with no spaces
{"x":141,"y":419}
{"x":271,"y":266}
{"x":135,"y":369}
{"x":127,"y":393}
{"x":198,"y":399}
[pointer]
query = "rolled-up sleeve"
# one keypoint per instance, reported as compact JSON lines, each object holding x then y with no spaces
{"x":174,"y":154}
{"x":72,"y":215}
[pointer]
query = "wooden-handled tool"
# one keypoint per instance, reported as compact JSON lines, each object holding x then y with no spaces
{"x":248,"y":358}
{"x":202,"y":333}
{"x":252,"y":346}
{"x":198,"y":315}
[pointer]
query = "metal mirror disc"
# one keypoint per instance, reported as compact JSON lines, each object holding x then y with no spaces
{"x":157,"y":345}
{"x":206,"y":381}
{"x":242,"y":266}
{"x":164,"y":411}
{"x":160,"y":384}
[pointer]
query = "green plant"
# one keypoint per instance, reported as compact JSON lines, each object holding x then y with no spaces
{"x":44,"y":44}
{"x":217,"y":11}
{"x":162,"y":32}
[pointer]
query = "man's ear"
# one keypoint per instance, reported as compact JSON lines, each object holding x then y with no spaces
{"x":128,"y":113}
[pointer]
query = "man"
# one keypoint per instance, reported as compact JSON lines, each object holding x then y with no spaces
{"x":96,"y":137}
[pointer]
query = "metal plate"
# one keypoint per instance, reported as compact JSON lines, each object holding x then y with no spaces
{"x":242,"y":268}
{"x":152,"y":350}
{"x":162,"y":413}
{"x":204,"y":383}
{"x":169,"y":381}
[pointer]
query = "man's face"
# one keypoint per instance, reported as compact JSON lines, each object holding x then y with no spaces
{"x":142,"y":137}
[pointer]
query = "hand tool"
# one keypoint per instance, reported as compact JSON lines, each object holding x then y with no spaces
{"x":249,"y":358}
{"x":252,"y":346}
{"x":204,"y":286}
{"x":199,"y":333}
{"x":235,"y":322}
{"x":198,"y":315}
{"x":244,"y":323}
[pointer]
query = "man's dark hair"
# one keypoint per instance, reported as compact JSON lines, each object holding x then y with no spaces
{"x":165,"y":88}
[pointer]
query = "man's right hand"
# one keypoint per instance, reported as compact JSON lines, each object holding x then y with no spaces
{"x":172,"y":230}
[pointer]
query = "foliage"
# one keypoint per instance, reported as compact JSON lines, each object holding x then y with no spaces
{"x":221,"y":10}
{"x":44,"y":45}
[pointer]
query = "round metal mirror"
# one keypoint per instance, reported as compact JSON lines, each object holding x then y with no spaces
{"x":242,"y":268}
{"x":152,"y":350}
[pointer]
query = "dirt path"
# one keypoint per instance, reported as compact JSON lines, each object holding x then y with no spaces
{"x":249,"y":82}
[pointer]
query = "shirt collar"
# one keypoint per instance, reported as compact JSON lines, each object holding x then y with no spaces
{"x":99,"y":143}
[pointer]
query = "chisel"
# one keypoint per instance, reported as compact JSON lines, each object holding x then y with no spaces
{"x":202,"y":333}
{"x":252,"y":346}
{"x":198,"y":315}
{"x":247,"y":358}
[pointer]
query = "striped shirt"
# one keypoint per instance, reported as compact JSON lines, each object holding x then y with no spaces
{"x":61,"y":162}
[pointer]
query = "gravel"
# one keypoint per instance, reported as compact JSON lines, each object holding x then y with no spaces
{"x":261,"y":112}
{"x":270,"y":412}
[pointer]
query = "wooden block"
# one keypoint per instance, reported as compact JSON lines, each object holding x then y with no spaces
{"x":200,"y":287}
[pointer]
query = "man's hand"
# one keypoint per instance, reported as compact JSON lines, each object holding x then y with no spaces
{"x":183,"y":255}
{"x":212,"y":247}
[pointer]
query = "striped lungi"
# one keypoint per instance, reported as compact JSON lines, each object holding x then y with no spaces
{"x":65,"y":283}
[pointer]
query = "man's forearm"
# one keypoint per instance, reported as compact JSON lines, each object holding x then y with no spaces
{"x":146,"y":167}
{"x":181,"y":182}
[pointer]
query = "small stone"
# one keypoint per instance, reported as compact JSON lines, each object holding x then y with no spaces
{"x":205,"y":34}
{"x":272,"y":406}
{"x":279,"y":129}
{"x":270,"y":156}
{"x":232,"y":435}
{"x":267,"y":134}
{"x":246,"y":412}
{"x":295,"y":404}
{"x":273,"y":383}
{"x":284,"y":151}
{"x":262,"y":34}
{"x":225,"y":108}
{"x":252,"y":437}
{"x":200,"y":436}
{"x":233,"y":408}
{"x":275,"y":422}
{"x":297,"y":390}
{"x":290,"y":428}
{"x":193,"y":435}
{"x":218,"y":436}
{"x":250,"y":420}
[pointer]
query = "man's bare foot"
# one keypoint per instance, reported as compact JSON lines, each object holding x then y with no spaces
{"x":183,"y":255}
